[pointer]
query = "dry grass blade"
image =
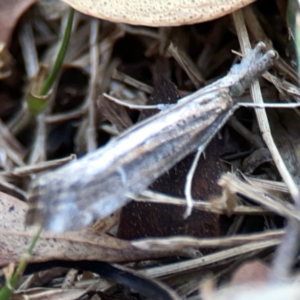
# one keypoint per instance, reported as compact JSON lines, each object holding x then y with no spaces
{"x":181,"y":242}
{"x":10,"y":13}
{"x":261,"y":114}
{"x":209,"y":259}
{"x":221,"y":207}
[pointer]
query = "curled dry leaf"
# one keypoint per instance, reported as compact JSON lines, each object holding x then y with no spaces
{"x":158,"y":12}
{"x":10,"y":12}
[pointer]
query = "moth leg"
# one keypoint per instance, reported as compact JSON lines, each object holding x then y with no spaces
{"x":189,"y":181}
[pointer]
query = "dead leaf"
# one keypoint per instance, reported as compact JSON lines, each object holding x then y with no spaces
{"x":10,"y":13}
{"x":255,"y":272}
{"x":11,"y":151}
{"x":15,"y":238}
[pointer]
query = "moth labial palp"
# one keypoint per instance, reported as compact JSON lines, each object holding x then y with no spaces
{"x":97,"y":184}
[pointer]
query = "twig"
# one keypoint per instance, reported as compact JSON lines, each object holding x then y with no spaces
{"x":209,"y":206}
{"x":182,"y":242}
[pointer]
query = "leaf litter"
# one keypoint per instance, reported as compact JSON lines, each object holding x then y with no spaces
{"x":191,"y":257}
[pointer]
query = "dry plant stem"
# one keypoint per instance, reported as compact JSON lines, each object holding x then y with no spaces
{"x":57,"y":118}
{"x":29,"y":52}
{"x":269,"y":105}
{"x":186,"y":64}
{"x":132,"y":105}
{"x":266,"y":184}
{"x":11,"y":187}
{"x":38,"y":153}
{"x":231,"y":185}
{"x":206,"y":260}
{"x":235,"y":225}
{"x":20,"y":121}
{"x":30,"y":58}
{"x":117,"y":75}
{"x":52,"y":293}
{"x":154,"y":197}
{"x":105,"y":51}
{"x":286,"y":252}
{"x":106,"y":82}
{"x":245,"y":133}
{"x":91,"y":98}
{"x":187,"y":287}
{"x":11,"y":148}
{"x":141,"y":31}
{"x":29,"y":281}
{"x":261,"y":113}
{"x":30,"y":169}
{"x":284,"y":87}
{"x":184,"y":242}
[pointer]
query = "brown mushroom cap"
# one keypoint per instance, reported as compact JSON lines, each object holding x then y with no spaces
{"x":158,"y":12}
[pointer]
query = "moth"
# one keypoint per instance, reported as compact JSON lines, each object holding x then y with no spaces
{"x":98,"y":184}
